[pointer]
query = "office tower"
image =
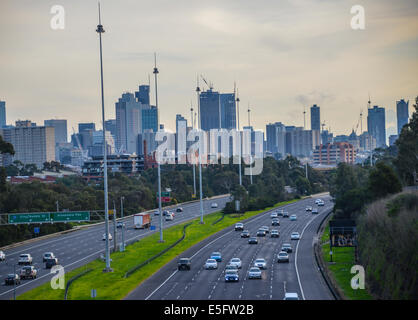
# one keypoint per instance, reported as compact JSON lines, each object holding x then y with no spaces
{"x":402,"y":114}
{"x":149,"y":118}
{"x":302,"y":142}
{"x":228,"y":111}
{"x":128,"y":123}
{"x":110,"y":125}
{"x":86,"y":126}
{"x":376,"y":125}
{"x":32,"y":145}
{"x":60,"y":129}
{"x":315,"y":118}
{"x":2,"y":113}
{"x":179,"y":117}
{"x":142,"y":95}
{"x":209,"y":110}
{"x":276,"y":139}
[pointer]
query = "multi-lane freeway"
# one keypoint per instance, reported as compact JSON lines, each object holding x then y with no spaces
{"x":300,"y":275}
{"x":77,"y":248}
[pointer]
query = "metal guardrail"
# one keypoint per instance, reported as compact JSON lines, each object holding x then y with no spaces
{"x":67,"y":287}
{"x":139,"y":266}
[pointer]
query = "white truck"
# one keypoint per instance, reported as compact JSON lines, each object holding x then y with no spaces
{"x":142,"y":220}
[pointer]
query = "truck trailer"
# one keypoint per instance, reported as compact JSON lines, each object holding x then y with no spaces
{"x":142,"y":220}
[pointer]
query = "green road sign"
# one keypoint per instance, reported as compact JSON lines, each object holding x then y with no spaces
{"x":29,"y":218}
{"x":70,"y":216}
{"x":164,"y":194}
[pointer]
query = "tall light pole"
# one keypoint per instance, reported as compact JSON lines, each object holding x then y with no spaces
{"x":155,"y":72}
{"x":200,"y":153}
{"x":100,"y":30}
{"x":240,"y":141}
{"x":194,"y":166}
{"x":123,"y":224}
{"x":251,"y":156}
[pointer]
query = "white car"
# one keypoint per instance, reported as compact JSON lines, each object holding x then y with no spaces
{"x":283,"y":256}
{"x":2,"y":256}
{"x":214,"y":205}
{"x":273,"y":215}
{"x":104,"y":237}
{"x":254,"y":273}
{"x":169,"y":217}
{"x":211,"y":264}
{"x":260,"y":263}
{"x":25,"y":258}
{"x":293,"y":217}
{"x":291,"y":296}
{"x":308,"y":208}
{"x":295,"y":236}
{"x":317,"y":201}
{"x":321,"y":204}
{"x":236,"y":262}
{"x":48,"y":255}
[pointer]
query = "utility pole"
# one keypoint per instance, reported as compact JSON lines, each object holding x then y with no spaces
{"x":240,"y":138}
{"x":200,"y":153}
{"x":100,"y":30}
{"x":123,"y":224}
{"x":194,"y":166}
{"x":58,"y":206}
{"x":114,"y":227}
{"x":251,"y":155}
{"x":155,"y":72}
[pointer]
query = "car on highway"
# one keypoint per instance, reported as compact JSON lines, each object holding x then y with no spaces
{"x":245,"y":234}
{"x":184,"y":264}
{"x":280,"y":212}
{"x":291,"y":296}
{"x":169,"y":217}
{"x":231,"y":275}
{"x":2,"y":256}
{"x":211,"y":264}
{"x":287,"y":247}
{"x":231,"y":267}
{"x":25,"y":258}
{"x":120,"y":224}
{"x":11,"y":279}
{"x":253,"y":240}
{"x":285,"y":214}
{"x":254,"y":273}
{"x":49,"y":263}
{"x":283,"y":256}
{"x":265,"y":228}
{"x":236,"y":261}
{"x":166,"y":212}
{"x":273,"y":215}
{"x":260,"y":263}
{"x":28,"y":272}
{"x":274,"y":233}
{"x":261,"y":233}
{"x":104,"y":237}
{"x":295,"y":236}
{"x":179,"y":209}
{"x":217,"y":256}
{"x":275,"y":222}
{"x":48,"y":255}
{"x":293,"y":217}
{"x":315,"y":211}
{"x":239,"y":226}
{"x":321,"y":204}
{"x":156,"y":213}
{"x":308,"y":208}
{"x":214,"y":205}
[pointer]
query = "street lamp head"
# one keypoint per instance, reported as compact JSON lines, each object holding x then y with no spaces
{"x":155,"y":71}
{"x":100,"y":29}
{"x":197,"y":89}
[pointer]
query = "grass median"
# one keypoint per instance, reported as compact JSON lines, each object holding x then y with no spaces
{"x":113,"y":286}
{"x":344,"y":259}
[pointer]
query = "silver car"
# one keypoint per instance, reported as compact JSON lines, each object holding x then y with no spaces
{"x":295,"y":236}
{"x":211,"y":264}
{"x":283,"y":256}
{"x":254,"y":273}
{"x":236,"y":261}
{"x":260,"y":263}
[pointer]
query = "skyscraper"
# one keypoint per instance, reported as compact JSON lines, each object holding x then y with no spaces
{"x":315,"y":118}
{"x":86,"y":126}
{"x":128,"y":123}
{"x":60,"y":129}
{"x":402,"y":113}
{"x":142,"y":95}
{"x":110,"y":126}
{"x":376,"y":125}
{"x":2,"y":113}
{"x":149,"y":116}
{"x":228,"y":111}
{"x":217,"y":110}
{"x":276,"y":138}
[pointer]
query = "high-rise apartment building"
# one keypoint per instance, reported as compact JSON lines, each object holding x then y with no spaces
{"x":110,"y":125}
{"x":217,"y":110}
{"x":402,"y":114}
{"x":276,"y":139}
{"x":60,"y":127}
{"x":149,"y":116}
{"x":315,"y":118}
{"x":334,"y":153}
{"x":32,"y":144}
{"x":376,"y":125}
{"x":142,"y":95}
{"x":2,"y":114}
{"x":228,"y":111}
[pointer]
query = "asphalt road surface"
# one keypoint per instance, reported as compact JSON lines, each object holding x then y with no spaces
{"x":300,"y":275}
{"x":80,"y":247}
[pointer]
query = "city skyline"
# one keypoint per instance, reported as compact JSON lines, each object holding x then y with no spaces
{"x":280,"y":67}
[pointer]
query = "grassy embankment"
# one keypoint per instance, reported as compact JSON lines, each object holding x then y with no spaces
{"x":344,"y":260}
{"x":113,"y":286}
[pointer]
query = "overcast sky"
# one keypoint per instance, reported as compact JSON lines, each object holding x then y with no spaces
{"x":284,"y":55}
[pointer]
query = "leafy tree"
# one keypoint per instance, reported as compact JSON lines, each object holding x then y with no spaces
{"x":383,"y":181}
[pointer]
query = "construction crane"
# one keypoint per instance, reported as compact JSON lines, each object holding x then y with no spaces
{"x":322,"y":126}
{"x":359,"y":122}
{"x":83,"y":152}
{"x":209,"y":84}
